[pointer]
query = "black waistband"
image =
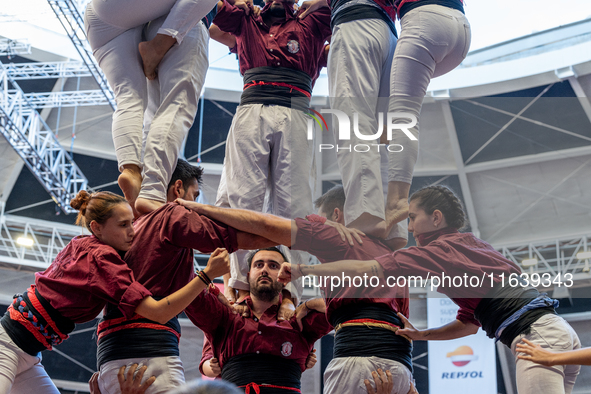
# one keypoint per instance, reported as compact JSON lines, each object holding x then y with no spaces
{"x":22,"y":337}
{"x":277,"y":95}
{"x":263,"y":368}
{"x":358,"y":12}
{"x":360,"y":341}
{"x":455,"y":4}
{"x":122,"y":342}
{"x":500,"y":303}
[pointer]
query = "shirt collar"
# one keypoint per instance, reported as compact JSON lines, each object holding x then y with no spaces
{"x":426,"y":238}
{"x":273,"y":309}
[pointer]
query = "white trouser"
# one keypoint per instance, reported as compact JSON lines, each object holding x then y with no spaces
{"x":169,"y":374}
{"x":21,"y":373}
{"x":347,"y":375}
{"x":172,"y":105}
{"x":433,"y":41}
{"x":359,"y":65}
{"x":267,"y":151}
{"x":115,"y":47}
{"x":552,"y":333}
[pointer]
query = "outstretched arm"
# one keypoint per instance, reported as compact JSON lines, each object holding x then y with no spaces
{"x":165,"y":309}
{"x":370,"y":268}
{"x":271,"y":227}
{"x":453,"y":330}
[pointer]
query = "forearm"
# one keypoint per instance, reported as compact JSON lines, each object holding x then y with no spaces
{"x":222,"y":37}
{"x":455,"y":329}
{"x":268,"y":226}
{"x":165,"y":309}
{"x":572,"y":357}
{"x":343,"y":267}
{"x":316,"y":304}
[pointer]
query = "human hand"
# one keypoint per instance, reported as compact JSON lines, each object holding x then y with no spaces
{"x":310,"y":6}
{"x":409,"y":331}
{"x":535,"y":353}
{"x":311,"y":360}
{"x":245,"y":5}
{"x":131,"y":383}
{"x":218,"y":263}
{"x":93,"y":383}
{"x":383,"y":381}
{"x":285,"y":274}
{"x":346,"y":233}
{"x":192,"y":205}
{"x":286,"y":310}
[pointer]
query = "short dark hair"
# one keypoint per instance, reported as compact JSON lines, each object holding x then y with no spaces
{"x":271,"y":249}
{"x":334,"y":198}
{"x":185,"y":172}
{"x":444,"y":199}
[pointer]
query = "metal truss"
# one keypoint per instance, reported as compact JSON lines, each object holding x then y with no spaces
{"x":26,"y":71}
{"x":554,"y":256}
{"x":10,"y":47}
{"x":68,"y":13}
{"x":48,"y":240}
{"x":77,"y":98}
{"x":33,"y":140}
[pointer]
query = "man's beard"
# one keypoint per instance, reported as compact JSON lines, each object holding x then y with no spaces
{"x":276,"y":11}
{"x":266,"y":292}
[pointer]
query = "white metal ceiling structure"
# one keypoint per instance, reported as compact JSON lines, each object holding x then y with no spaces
{"x":509,"y":130}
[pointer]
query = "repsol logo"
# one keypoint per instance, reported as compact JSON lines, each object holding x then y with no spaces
{"x":462,"y":375}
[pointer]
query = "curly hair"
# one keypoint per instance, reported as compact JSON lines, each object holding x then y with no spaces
{"x":445,"y":200}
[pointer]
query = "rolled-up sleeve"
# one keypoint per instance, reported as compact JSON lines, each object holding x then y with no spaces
{"x":132,"y":297}
{"x":113,"y":281}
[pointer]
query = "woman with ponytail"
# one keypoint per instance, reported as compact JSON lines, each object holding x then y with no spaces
{"x":505,"y":311}
{"x":86,"y":275}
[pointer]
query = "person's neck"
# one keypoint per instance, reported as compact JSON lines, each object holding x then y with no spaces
{"x":271,"y":20}
{"x":260,"y":306}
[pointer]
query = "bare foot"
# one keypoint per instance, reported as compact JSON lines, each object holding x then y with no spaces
{"x":130,"y":182}
{"x":144,"y":206}
{"x":153,"y":51}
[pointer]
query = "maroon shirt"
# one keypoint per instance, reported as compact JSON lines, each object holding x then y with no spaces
{"x":325,"y":243}
{"x":296,"y":43}
{"x":454,"y":254}
{"x":85,"y":276}
{"x":161,"y":256}
{"x":233,"y":335}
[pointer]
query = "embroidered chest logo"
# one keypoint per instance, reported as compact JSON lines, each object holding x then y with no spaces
{"x":293,"y":46}
{"x":286,"y":349}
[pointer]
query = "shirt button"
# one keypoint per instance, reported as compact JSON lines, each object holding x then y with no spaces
{"x":260,"y":333}
{"x":271,"y":50}
{"x":258,"y":352}
{"x":270,"y":35}
{"x":278,"y":63}
{"x":255,"y":319}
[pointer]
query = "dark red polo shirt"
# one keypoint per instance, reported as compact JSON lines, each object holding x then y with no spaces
{"x":325,"y":243}
{"x":454,"y":254}
{"x":161,"y":256}
{"x":296,"y":43}
{"x":85,"y":276}
{"x":232,"y":335}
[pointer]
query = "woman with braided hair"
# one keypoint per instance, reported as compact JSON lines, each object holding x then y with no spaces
{"x":505,"y":312}
{"x":86,"y":275}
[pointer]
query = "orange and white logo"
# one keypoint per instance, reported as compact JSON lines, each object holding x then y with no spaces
{"x":462,"y":356}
